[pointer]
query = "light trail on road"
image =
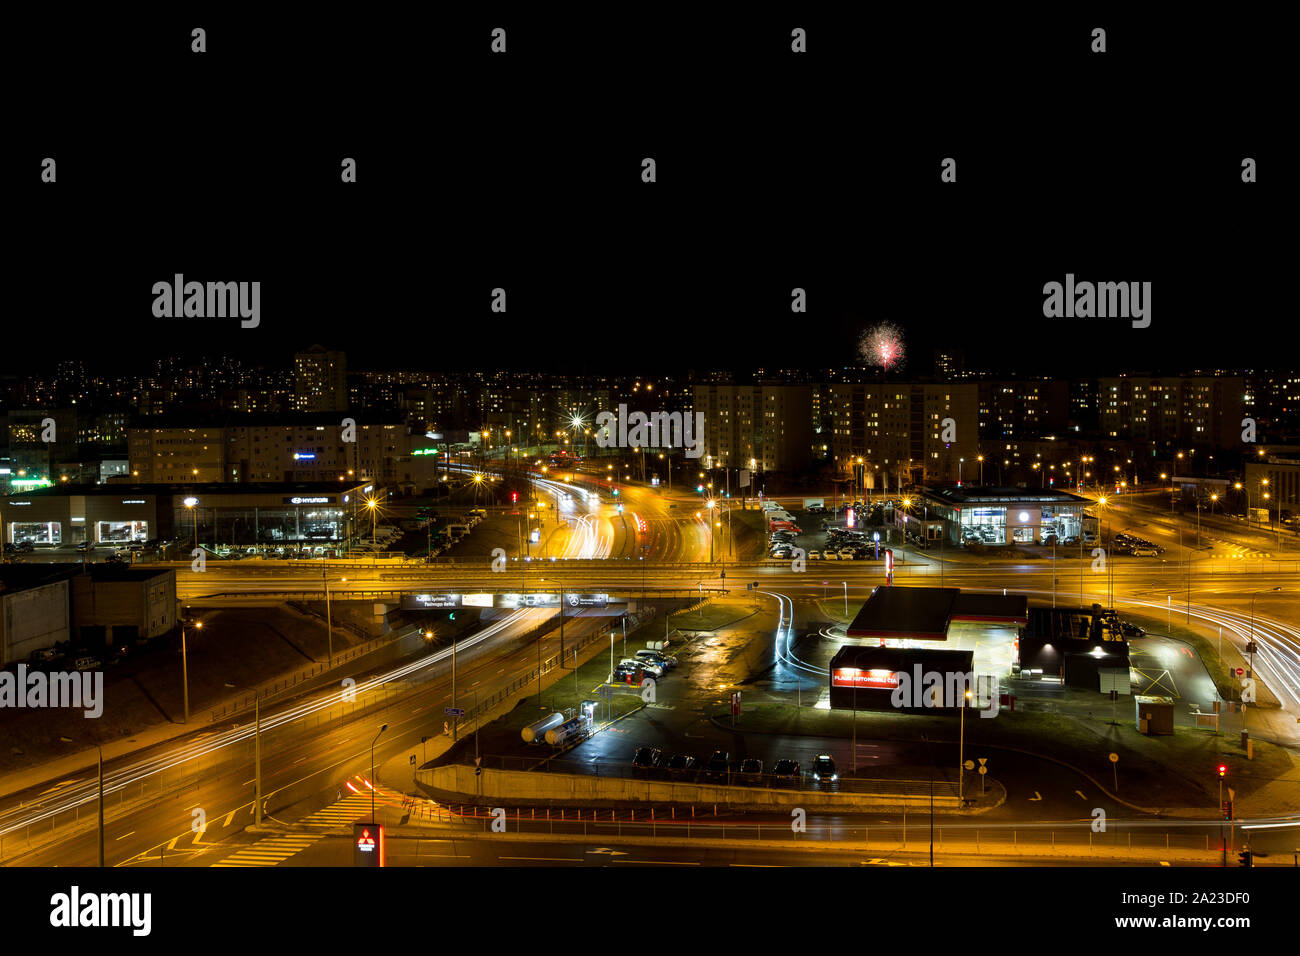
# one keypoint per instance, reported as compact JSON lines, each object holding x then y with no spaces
{"x":86,"y":792}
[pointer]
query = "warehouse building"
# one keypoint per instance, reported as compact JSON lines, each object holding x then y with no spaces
{"x":896,"y":678}
{"x":34,"y":610}
{"x":95,"y":606}
{"x":1080,"y":647}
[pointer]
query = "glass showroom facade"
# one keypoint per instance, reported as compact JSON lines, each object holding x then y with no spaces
{"x":270,"y":516}
{"x":1006,"y":516}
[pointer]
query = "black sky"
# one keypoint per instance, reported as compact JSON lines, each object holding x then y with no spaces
{"x":773,"y":173}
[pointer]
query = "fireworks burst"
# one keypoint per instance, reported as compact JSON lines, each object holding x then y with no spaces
{"x":882,"y":345}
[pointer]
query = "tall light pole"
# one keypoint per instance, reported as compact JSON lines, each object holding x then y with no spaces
{"x":373,"y":506}
{"x":190,"y":503}
{"x":101,"y":805}
{"x":711,"y":504}
{"x":329,"y":619}
{"x":372,"y":774}
{"x":455,"y":720}
{"x":185,"y":670}
{"x":1252,"y":621}
{"x":961,"y":751}
{"x":980,"y":459}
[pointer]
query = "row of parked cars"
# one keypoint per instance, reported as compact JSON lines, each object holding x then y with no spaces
{"x":64,"y":657}
{"x":1131,"y":544}
{"x":646,"y":663}
{"x":651,"y":761}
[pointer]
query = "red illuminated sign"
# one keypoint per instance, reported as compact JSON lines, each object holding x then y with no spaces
{"x":854,"y":677}
{"x":368,"y":844}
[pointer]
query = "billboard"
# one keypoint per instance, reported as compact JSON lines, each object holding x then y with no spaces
{"x":419,"y":602}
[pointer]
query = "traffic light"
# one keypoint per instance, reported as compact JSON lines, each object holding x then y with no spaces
{"x":514,"y":497}
{"x":700,"y":489}
{"x":615,"y":491}
{"x":1227,"y":809}
{"x":451,"y":616}
{"x":1223,"y":770}
{"x":1244,"y":858}
{"x":620,"y":507}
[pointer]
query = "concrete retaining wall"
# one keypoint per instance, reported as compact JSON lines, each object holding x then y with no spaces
{"x":457,"y":783}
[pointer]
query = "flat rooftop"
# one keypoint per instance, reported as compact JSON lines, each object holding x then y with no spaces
{"x":969,"y":494}
{"x":915,"y":613}
{"x":199,"y":488}
{"x":21,"y":577}
{"x":925,"y":614}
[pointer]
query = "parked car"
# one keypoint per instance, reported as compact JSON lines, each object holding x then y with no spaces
{"x":1128,"y":629}
{"x":846,"y":554}
{"x":785,"y":772}
{"x":655,"y":657}
{"x":629,"y":672}
{"x":87,"y":663}
{"x":814,"y":555}
{"x":751,"y":770}
{"x":681,"y":763}
{"x":654,"y":670}
{"x":1141,"y":551}
{"x":823,"y":769}
{"x":718,"y":765}
{"x":24,"y":547}
{"x":647,"y":758}
{"x":829,"y":555}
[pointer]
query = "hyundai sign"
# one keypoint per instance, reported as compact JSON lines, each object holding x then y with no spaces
{"x":312,"y":500}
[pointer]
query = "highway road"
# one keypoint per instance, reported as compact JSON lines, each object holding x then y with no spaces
{"x":308,"y":746}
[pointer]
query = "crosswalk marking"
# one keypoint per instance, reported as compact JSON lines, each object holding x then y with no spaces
{"x":349,"y":810}
{"x":271,"y":851}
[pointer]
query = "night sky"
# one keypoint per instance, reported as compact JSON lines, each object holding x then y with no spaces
{"x":773,"y":173}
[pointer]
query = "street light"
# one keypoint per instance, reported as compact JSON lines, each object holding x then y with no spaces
{"x":373,"y":506}
{"x":961,"y":751}
{"x":185,"y":668}
{"x":711,"y":504}
{"x":190,"y":503}
{"x":1252,"y":620}
{"x":372,"y":774}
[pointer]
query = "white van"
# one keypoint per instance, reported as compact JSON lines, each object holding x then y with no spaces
{"x":772,"y":506}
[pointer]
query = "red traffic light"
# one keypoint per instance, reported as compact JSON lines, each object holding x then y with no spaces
{"x":514,"y":497}
{"x":1223,"y":770}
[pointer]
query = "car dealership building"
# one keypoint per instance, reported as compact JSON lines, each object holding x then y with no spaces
{"x":998,"y":516}
{"x":234,"y":514}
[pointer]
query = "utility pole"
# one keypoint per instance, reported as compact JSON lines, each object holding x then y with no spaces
{"x":101,"y":805}
{"x":257,"y":760}
{"x":185,"y":676}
